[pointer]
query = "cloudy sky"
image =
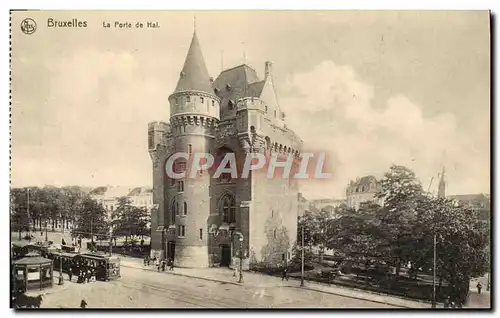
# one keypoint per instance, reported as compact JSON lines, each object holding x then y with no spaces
{"x":370,"y":88}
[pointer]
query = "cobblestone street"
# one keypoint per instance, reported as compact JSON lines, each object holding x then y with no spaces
{"x":148,"y":289}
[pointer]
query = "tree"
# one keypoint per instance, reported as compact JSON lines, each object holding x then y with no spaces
{"x":400,"y":191}
{"x":19,"y":217}
{"x":297,"y":255}
{"x":355,"y":235}
{"x":461,"y":238}
{"x":129,"y":220}
{"x":91,"y":220}
{"x":309,"y":224}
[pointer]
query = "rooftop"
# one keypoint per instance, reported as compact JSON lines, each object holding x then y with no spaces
{"x":194,"y":75}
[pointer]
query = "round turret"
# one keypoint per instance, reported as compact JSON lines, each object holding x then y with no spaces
{"x":194,"y":103}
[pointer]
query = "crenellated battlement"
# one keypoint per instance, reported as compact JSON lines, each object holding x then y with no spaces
{"x":250,"y":103}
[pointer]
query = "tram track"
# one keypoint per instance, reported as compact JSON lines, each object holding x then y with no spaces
{"x":172,"y":292}
{"x":162,"y":292}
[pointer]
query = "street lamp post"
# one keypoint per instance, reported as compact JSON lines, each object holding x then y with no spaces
{"x":61,"y":279}
{"x":302,"y":259}
{"x":46,"y":235}
{"x":241,"y":260}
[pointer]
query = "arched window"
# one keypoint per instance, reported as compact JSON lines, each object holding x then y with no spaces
{"x":227,"y":207}
{"x":185,"y":208}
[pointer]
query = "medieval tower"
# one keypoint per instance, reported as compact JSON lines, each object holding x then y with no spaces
{"x":203,"y":221}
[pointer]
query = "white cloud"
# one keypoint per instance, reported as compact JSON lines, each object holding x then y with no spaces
{"x":332,"y":109}
{"x":94,"y":129}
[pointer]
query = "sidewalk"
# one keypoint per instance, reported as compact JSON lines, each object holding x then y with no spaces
{"x":224,"y":275}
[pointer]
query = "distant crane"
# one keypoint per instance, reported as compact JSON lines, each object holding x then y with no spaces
{"x":430,"y":183}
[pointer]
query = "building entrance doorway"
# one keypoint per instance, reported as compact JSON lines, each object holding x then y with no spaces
{"x":225,"y":257}
{"x":171,"y":250}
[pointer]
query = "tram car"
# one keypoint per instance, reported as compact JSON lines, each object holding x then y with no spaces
{"x":107,"y":267}
{"x":62,"y":260}
{"x":104,"y":266}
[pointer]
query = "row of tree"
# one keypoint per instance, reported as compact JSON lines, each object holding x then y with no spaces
{"x":402,"y":230}
{"x":88,"y":216}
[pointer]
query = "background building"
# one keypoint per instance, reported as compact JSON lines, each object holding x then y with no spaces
{"x":327,"y":205}
{"x":476,"y":202}
{"x":362,"y":190}
{"x":199,"y":221}
{"x":141,"y":197}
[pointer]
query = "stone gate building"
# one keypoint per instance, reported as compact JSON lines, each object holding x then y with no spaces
{"x":202,"y":221}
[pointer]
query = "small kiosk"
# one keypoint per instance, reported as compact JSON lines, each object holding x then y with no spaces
{"x":33,"y":272}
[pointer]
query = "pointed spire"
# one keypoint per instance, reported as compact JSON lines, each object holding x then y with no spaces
{"x":194,"y":23}
{"x":194,"y":75}
{"x":442,"y":186}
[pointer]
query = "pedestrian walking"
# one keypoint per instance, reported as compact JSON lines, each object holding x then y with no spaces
{"x":171,"y":265}
{"x":285,"y":272}
{"x":83,"y":304}
{"x":88,"y":275}
{"x":479,"y":287}
{"x":163,"y":265}
{"x":70,"y":273}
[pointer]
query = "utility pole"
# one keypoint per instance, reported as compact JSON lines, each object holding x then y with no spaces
{"x":434,"y":277}
{"x":46,"y":235}
{"x":241,"y":260}
{"x":302,"y":259}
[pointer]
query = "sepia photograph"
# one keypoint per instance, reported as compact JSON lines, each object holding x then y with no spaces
{"x":250,"y":159}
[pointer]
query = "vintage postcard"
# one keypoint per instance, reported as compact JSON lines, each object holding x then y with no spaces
{"x":250,"y":159}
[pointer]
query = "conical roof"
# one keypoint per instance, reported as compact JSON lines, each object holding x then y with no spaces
{"x":194,"y":75}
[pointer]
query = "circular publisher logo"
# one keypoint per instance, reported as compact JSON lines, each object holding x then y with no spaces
{"x":28,"y":26}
